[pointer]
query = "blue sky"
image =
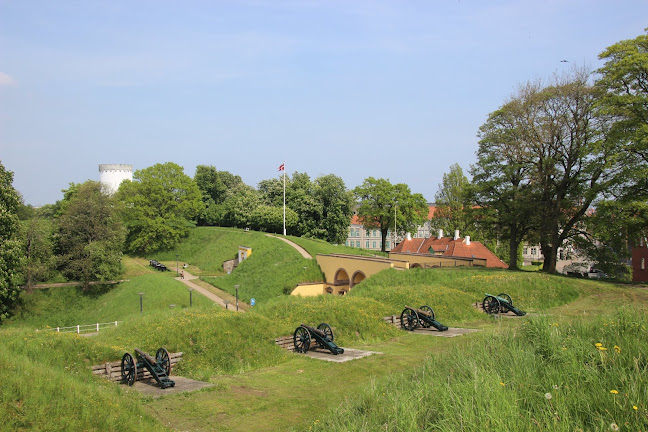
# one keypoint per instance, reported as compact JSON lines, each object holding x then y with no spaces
{"x":392,"y":89}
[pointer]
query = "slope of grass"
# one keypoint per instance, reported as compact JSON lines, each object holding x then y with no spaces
{"x":591,"y":374}
{"x":453,"y":290}
{"x":316,"y":246}
{"x":68,"y":306}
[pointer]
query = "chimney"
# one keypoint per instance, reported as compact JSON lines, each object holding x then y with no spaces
{"x":456,"y":234}
{"x":467,"y":240}
{"x":409,"y":236}
{"x":440,"y":233}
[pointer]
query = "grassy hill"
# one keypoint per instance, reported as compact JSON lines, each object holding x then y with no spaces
{"x":419,"y":382}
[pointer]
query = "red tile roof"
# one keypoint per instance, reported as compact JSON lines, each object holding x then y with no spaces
{"x":451,"y":248}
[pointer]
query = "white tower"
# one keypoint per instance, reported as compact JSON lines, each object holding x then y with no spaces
{"x":111,"y":175}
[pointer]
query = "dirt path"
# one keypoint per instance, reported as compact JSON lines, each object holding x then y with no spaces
{"x":210,"y":295}
{"x":300,"y":249}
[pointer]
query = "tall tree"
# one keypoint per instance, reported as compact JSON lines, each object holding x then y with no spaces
{"x":453,"y":205}
{"x":502,"y":186}
{"x":562,"y":139}
{"x":90,"y":235}
{"x":337,"y":207}
{"x":624,"y":84}
{"x":382,"y":205}
{"x":215,"y":187}
{"x":160,"y":206}
{"x":10,"y":247}
{"x":38,"y":249}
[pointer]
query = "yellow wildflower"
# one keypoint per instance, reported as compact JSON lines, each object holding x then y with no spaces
{"x":634,"y":407}
{"x":598,"y":344}
{"x":614,"y":391}
{"x":617,"y":349}
{"x":602,"y":348}
{"x":502,"y":384}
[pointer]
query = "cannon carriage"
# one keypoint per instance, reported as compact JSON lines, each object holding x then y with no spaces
{"x":159,"y":367}
{"x":424,"y":317}
{"x":323,"y":335}
{"x":502,"y":303}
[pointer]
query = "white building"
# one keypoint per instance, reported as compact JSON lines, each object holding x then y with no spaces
{"x":111,"y":175}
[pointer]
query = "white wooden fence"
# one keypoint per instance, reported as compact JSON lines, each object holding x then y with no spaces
{"x":86,"y":328}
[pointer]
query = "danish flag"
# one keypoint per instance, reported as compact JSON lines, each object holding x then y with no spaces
{"x":281,"y":167}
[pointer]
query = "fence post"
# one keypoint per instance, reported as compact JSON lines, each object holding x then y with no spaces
{"x":58,"y":330}
{"x":78,"y":329}
{"x":97,"y":327}
{"x":115,"y":323}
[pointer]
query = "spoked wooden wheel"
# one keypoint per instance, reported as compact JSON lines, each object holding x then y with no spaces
{"x":430,"y":311}
{"x":128,"y":369}
{"x":162,"y":358}
{"x":327,"y":330}
{"x":301,"y":339}
{"x":508,"y":298}
{"x":409,"y":319}
{"x":491,"y":305}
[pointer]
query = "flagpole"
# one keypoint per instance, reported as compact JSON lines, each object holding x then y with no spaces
{"x":284,"y":208}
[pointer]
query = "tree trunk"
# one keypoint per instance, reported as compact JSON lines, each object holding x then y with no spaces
{"x":383,"y":234}
{"x":513,"y":248}
{"x":549,"y":252}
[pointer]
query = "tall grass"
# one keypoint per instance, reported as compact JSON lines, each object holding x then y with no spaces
{"x":547,"y":376}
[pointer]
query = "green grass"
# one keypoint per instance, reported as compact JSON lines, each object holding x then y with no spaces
{"x":261,"y":387}
{"x":549,"y":375}
{"x":315,"y":246}
{"x":68,"y":306}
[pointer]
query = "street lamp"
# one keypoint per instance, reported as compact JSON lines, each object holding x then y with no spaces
{"x":141,"y":294}
{"x":237,"y":287}
{"x":190,"y":299}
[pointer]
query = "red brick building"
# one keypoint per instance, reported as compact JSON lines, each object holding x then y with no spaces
{"x":640,"y":263}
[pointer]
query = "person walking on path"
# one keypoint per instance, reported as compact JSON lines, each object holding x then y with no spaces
{"x":181,"y":275}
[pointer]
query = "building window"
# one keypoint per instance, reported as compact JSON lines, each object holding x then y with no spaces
{"x":347,"y":243}
{"x":358,"y":243}
{"x":387,"y":245}
{"x":368,"y":233}
{"x":374,"y":245}
{"x":533,"y":251}
{"x":525,"y":250}
{"x":367,"y":244}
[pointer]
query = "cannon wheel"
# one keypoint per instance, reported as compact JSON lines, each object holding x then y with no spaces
{"x":491,"y":305}
{"x":162,"y":358}
{"x":328,"y":331}
{"x":429,"y":310}
{"x":409,"y":319}
{"x":301,"y":339}
{"x":507,"y":297}
{"x":128,"y":369}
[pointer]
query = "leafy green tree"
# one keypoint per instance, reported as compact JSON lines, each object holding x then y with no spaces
{"x":323,"y":206}
{"x":270,"y":219}
{"x":40,"y":262}
{"x":236,"y":211}
{"x":337,"y":207}
{"x":562,"y":142}
{"x":215,"y":187}
{"x":502,"y":184}
{"x":624,"y":84}
{"x":381,"y":202}
{"x":90,"y":235}
{"x":160,"y":206}
{"x":453,"y":205}
{"x":10,"y":247}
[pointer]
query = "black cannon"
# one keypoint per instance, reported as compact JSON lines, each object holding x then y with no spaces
{"x":323,"y":335}
{"x":494,"y":304}
{"x":411,"y":319}
{"x":159,"y":367}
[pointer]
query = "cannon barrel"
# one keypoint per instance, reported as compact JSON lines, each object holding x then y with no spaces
{"x":418,"y":311}
{"x":313,"y":330}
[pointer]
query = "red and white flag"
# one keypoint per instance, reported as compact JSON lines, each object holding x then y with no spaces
{"x":281,"y":167}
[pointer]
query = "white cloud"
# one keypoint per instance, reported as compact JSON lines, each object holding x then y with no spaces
{"x":6,"y":80}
